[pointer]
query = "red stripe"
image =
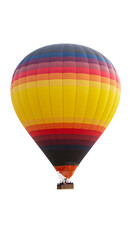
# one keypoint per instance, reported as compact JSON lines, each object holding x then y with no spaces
{"x":65,"y":137}
{"x":64,"y":64}
{"x":60,"y":142}
{"x":65,"y":131}
{"x":63,"y":70}
{"x":67,"y":142}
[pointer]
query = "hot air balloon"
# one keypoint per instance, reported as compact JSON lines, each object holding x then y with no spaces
{"x":65,"y":95}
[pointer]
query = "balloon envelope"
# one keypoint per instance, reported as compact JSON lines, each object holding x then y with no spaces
{"x":65,"y":95}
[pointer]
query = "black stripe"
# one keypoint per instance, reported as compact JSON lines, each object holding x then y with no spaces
{"x":65,"y":157}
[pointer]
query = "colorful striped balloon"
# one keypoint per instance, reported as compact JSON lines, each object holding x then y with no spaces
{"x":65,"y":95}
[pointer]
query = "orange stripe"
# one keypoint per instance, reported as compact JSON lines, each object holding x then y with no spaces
{"x":55,"y":76}
{"x":65,"y":125}
{"x":67,"y":170}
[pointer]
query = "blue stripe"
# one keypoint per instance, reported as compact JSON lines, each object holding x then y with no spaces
{"x":65,"y":54}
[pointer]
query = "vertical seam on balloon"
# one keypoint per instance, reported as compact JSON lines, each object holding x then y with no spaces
{"x":50,"y":61}
{"x":16,"y":108}
{"x":89,"y":88}
{"x":114,"y":97}
{"x":100,"y":82}
{"x":111,"y":113}
{"x":19,"y":92}
{"x":16,"y":100}
{"x":37,"y":91}
{"x":27,"y":95}
{"x":38,"y":99}
{"x":63,"y":91}
{"x":113,"y":102}
{"x":76,"y":89}
{"x":100,"y":88}
{"x":50,"y":100}
{"x":88,"y":92}
{"x":108,"y":90}
{"x":20,"y":97}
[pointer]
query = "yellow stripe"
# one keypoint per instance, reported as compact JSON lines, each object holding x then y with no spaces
{"x":48,"y":104}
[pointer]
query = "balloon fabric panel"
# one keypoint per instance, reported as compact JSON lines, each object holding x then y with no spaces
{"x":65,"y":95}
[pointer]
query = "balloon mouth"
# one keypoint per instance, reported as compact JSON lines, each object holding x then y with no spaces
{"x":66,"y":170}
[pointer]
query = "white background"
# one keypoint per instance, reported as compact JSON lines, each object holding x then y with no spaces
{"x":102,"y":206}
